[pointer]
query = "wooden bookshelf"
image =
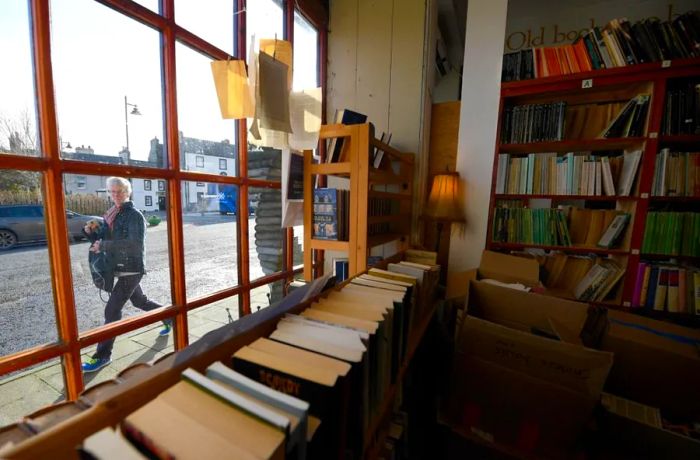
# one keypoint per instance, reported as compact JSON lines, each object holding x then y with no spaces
{"x":599,"y":87}
{"x":392,"y":181}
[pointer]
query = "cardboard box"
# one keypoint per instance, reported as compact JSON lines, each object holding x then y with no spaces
{"x":637,"y":430}
{"x":517,"y":388}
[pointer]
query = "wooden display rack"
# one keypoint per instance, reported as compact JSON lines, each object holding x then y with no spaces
{"x":355,"y":164}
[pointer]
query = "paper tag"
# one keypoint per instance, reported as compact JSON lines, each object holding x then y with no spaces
{"x":587,"y":83}
{"x":653,"y":135}
{"x":635,"y":252}
{"x":626,"y":304}
{"x":666,"y":63}
{"x":645,"y":195}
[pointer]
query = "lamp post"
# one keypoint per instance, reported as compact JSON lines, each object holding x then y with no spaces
{"x":134,"y":111}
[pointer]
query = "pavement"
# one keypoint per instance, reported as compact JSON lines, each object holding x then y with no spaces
{"x":26,"y":391}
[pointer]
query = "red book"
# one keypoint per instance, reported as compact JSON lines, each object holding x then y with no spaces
{"x":563,"y":60}
{"x":637,"y":295}
{"x":584,"y":62}
{"x":553,"y":67}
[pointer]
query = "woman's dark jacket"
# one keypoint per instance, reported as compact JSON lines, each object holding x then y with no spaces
{"x":124,"y":243}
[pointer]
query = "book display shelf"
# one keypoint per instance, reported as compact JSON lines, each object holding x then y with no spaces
{"x":598,"y":174}
{"x":374,"y":210}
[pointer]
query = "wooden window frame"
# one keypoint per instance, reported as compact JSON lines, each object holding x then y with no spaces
{"x":53,"y":168}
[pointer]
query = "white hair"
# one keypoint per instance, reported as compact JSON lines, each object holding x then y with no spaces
{"x":122,"y":183}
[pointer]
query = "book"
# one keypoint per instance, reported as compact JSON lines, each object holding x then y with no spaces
{"x":335,"y":146}
{"x":110,"y":444}
{"x":325,"y":218}
{"x":639,"y":280}
{"x":378,"y":152}
{"x":628,"y":172}
{"x":661,"y":289}
{"x":614,"y":230}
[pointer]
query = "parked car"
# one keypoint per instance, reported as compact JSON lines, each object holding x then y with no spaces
{"x":25,"y":222}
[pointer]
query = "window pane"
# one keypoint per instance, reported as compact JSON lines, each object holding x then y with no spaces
{"x":266,"y":234}
{"x":209,"y":218}
{"x":212,"y":20}
{"x":298,"y":246}
{"x":143,"y":345}
{"x":150,"y":4}
{"x":26,"y":298}
{"x":264,"y":20}
{"x":18,"y":132}
{"x":202,"y":130}
{"x":211,"y":317}
{"x":305,"y":54}
{"x":30,"y":389}
{"x":149,"y":291}
{"x":110,"y":110}
{"x":264,"y":296}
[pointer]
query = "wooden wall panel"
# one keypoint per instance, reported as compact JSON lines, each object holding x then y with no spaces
{"x":342,"y":56}
{"x":444,"y":131}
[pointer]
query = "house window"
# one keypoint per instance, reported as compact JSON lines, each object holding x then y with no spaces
{"x":222,"y":163}
{"x":199,"y":161}
{"x":200,"y":184}
{"x":149,"y":200}
{"x":81,"y":182}
{"x":161,"y":186}
{"x":147,"y":185}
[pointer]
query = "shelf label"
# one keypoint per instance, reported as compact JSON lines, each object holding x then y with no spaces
{"x":665,"y":64}
{"x":635,"y":252}
{"x":645,"y":195}
{"x":626,"y":304}
{"x":587,"y":83}
{"x":653,"y":135}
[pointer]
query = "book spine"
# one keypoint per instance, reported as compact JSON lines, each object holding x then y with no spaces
{"x":636,"y":296}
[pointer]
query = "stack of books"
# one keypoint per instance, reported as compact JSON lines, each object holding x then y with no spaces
{"x":533,"y":123}
{"x":618,"y":44}
{"x":666,"y":287}
{"x":631,"y":120}
{"x":676,"y":174}
{"x":581,"y":277}
{"x":542,"y":226}
{"x":573,"y":173}
{"x":682,"y":111}
{"x":672,"y":233}
{"x":338,"y":356}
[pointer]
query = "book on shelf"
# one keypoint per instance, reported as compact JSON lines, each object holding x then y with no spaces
{"x":676,"y":174}
{"x":617,"y":44}
{"x":672,"y":233}
{"x":331,"y":214}
{"x":542,"y":226}
{"x":525,"y":123}
{"x":667,"y":286}
{"x":628,"y":173}
{"x":682,"y":109}
{"x":613,"y":231}
{"x":598,"y":281}
{"x":335,"y":145}
{"x":189,"y":410}
{"x":630,"y":121}
{"x":341,"y":267}
{"x":378,"y":154}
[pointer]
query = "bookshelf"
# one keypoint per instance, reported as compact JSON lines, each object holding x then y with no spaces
{"x":391,"y":183}
{"x":578,"y":92}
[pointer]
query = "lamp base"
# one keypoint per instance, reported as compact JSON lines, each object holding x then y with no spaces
{"x":439,"y":234}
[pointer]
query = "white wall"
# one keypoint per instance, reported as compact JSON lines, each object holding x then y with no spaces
{"x":486,"y":24}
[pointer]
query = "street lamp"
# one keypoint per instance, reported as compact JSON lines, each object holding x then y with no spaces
{"x":134,"y":111}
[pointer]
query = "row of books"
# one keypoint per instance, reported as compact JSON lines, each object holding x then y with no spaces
{"x":682,"y":109}
{"x":583,"y":277}
{"x":573,"y":173}
{"x":533,"y":123}
{"x":618,"y":44}
{"x":676,"y":174}
{"x":631,"y":120}
{"x":320,"y":376}
{"x":663,"y":287}
{"x":565,"y":226}
{"x":331,"y":216}
{"x":672,"y":233}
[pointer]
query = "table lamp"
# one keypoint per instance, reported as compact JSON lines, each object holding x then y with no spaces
{"x":444,"y":203}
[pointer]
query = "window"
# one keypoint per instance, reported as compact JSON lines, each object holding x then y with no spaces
{"x":117,"y":111}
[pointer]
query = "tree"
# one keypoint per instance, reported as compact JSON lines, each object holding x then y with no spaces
{"x":18,"y":136}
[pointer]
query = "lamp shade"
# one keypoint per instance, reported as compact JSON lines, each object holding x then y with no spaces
{"x":443,"y":202}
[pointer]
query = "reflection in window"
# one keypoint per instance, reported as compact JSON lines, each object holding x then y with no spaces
{"x":147,"y":184}
{"x":222,"y":163}
{"x":210,"y":317}
{"x":209,"y":234}
{"x":112,"y":109}
{"x":93,"y":203}
{"x":202,"y":131}
{"x":266,"y":233}
{"x":26,"y":298}
{"x":18,"y":128}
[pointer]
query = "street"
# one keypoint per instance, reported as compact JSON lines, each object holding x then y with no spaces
{"x":27,"y":316}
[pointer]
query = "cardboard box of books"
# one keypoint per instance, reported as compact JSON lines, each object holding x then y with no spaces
{"x":642,"y":431}
{"x":514,"y":385}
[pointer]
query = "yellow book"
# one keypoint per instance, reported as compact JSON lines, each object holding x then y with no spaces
{"x":393,"y":276}
{"x":645,"y":286}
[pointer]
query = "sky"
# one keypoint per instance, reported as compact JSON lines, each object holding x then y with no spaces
{"x":100,"y":56}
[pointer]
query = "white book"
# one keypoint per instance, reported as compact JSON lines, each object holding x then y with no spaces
{"x":608,"y":185}
{"x":417,"y":273}
{"x":594,"y":274}
{"x":598,"y":179}
{"x":613,"y":231}
{"x":630,"y":164}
